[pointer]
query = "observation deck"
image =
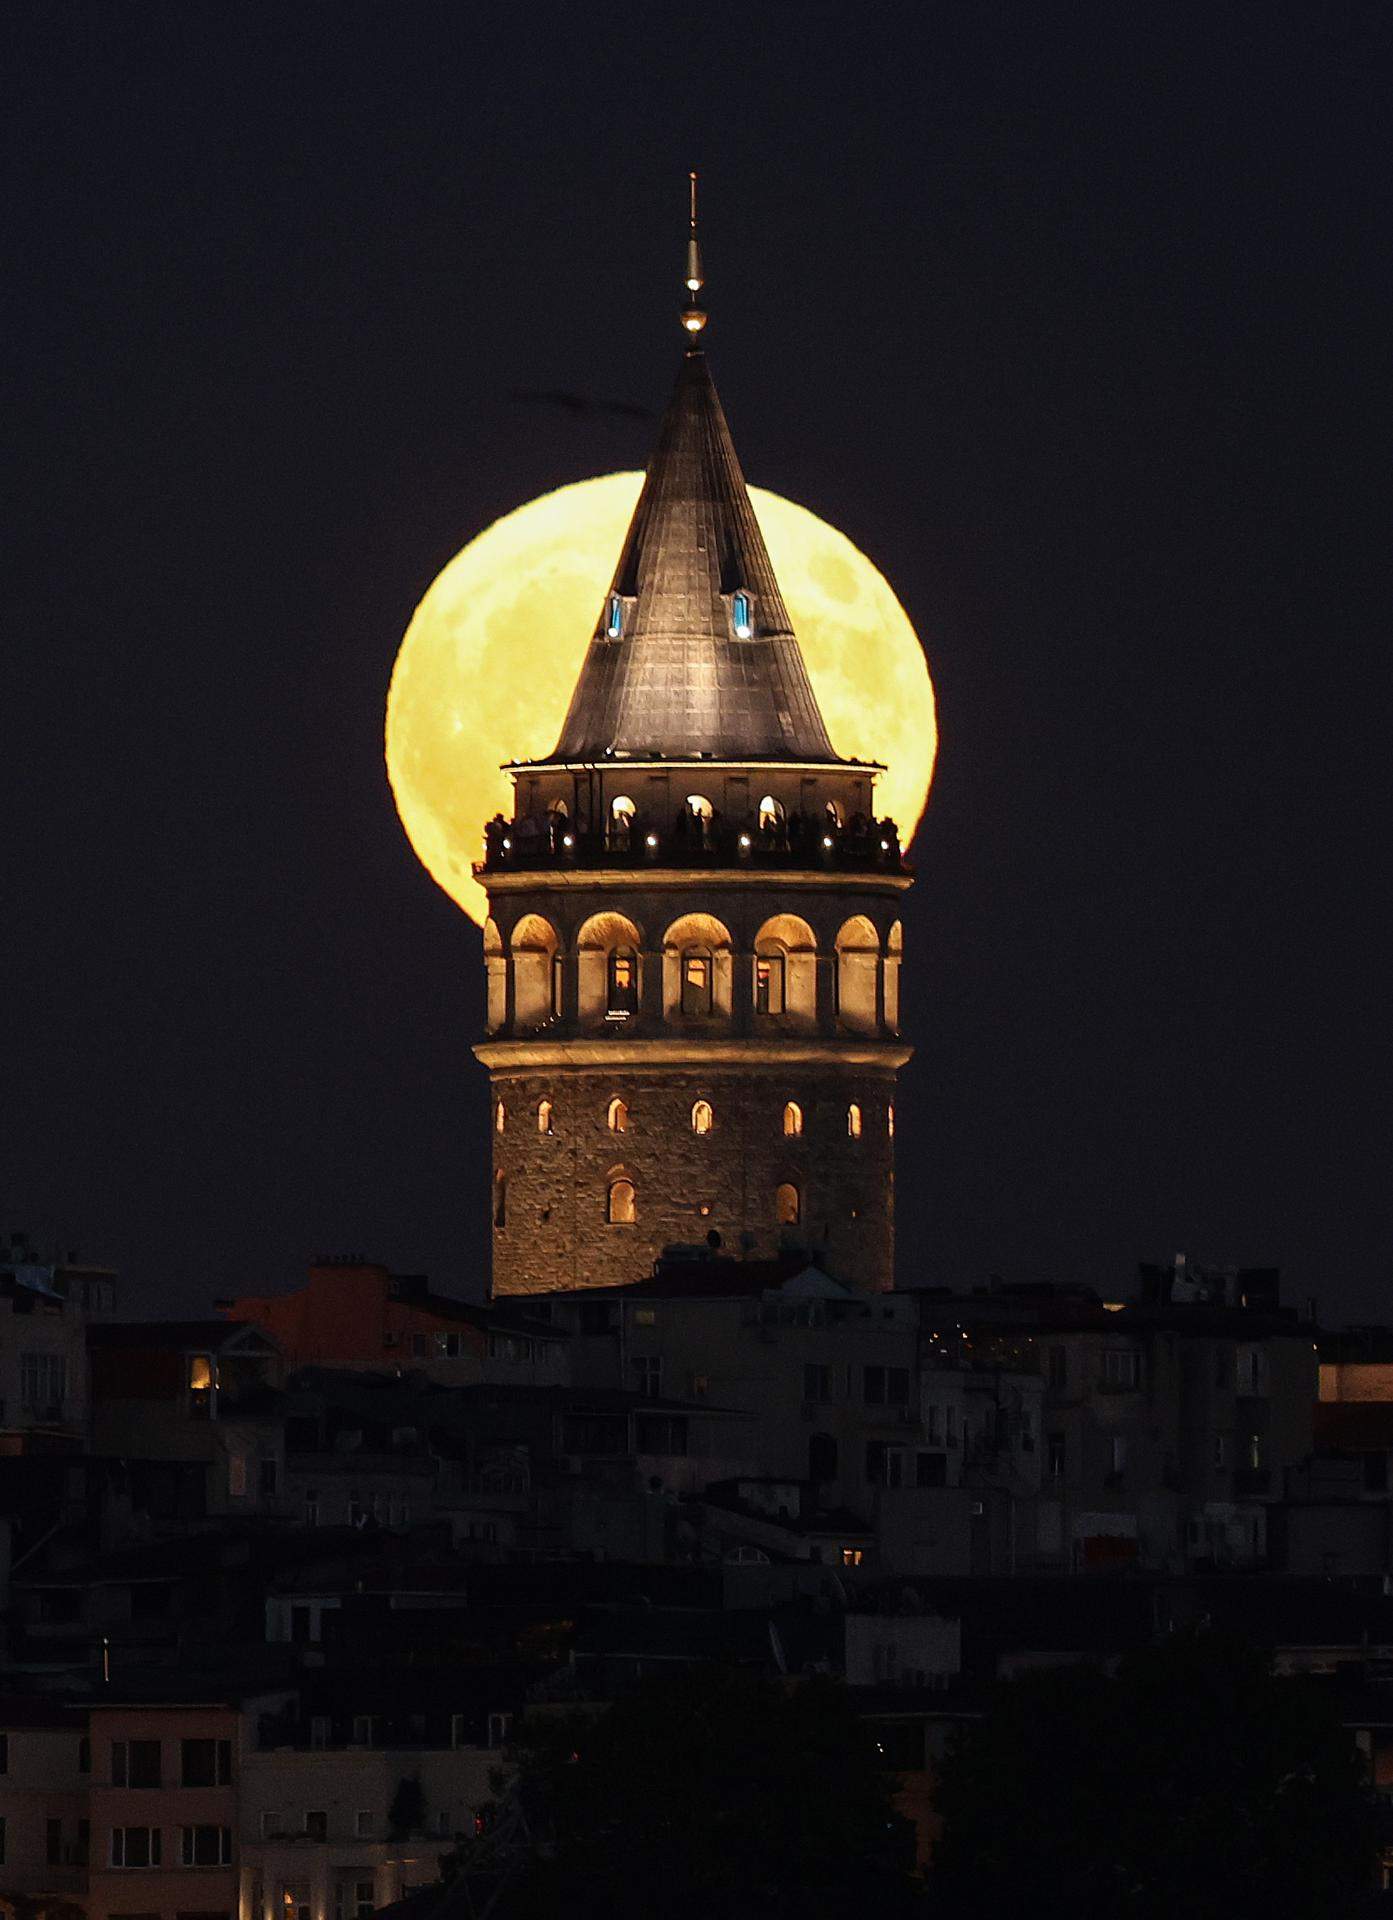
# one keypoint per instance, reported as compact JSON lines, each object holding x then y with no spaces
{"x":796,"y":842}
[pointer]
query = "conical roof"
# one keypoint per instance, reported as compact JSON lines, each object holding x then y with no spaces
{"x":666,"y":673}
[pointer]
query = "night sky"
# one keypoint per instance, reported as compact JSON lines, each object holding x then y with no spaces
{"x":1076,"y":319}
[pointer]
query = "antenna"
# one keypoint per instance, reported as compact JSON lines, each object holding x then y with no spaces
{"x":693,"y":316}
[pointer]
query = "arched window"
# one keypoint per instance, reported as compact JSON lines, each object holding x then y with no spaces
{"x":617,"y":1118}
{"x":793,"y":1120}
{"x":496,"y":967}
{"x":607,"y":968}
{"x":741,"y":618}
{"x":853,"y":1121}
{"x":535,"y":949}
{"x":769,"y":983}
{"x":703,"y":1119}
{"x":894,"y":955}
{"x":788,"y":1207}
{"x":500,"y":1117}
{"x":771,"y":814}
{"x":620,"y":1207}
{"x":500,"y":1199}
{"x":621,"y":823}
{"x":544,"y":1116}
{"x":622,"y":994}
{"x":697,"y":820}
{"x":890,"y":1120}
{"x":858,"y":965}
{"x":697,"y":973}
{"x":697,"y":968}
{"x":785,"y":970}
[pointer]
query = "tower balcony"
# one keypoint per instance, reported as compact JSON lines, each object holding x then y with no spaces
{"x":551,"y":842}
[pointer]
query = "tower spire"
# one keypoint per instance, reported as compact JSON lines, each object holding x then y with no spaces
{"x":693,"y":315}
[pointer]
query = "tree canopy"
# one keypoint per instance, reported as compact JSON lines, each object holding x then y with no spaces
{"x":715,"y":1795}
{"x":1195,"y":1782}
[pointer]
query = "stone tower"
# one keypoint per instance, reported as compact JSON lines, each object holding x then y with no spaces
{"x":694,"y":942}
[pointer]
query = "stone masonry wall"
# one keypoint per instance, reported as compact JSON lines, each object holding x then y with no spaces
{"x":687,"y":1184}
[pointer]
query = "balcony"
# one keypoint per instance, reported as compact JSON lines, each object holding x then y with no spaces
{"x":538,"y":844}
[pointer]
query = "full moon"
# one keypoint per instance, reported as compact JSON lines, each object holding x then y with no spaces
{"x":489,"y":661}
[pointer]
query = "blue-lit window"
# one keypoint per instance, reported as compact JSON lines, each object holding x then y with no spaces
{"x":740,"y":615}
{"x":614,"y":620}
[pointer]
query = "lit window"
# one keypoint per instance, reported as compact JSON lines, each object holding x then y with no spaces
{"x":890,"y":1120}
{"x":558,"y":985}
{"x":696,"y":983}
{"x":617,"y":1117}
{"x":621,"y":823}
{"x":787,"y":1205}
{"x":500,"y":1117}
{"x":771,"y":814}
{"x":544,"y":1116}
{"x":620,"y":1207}
{"x":853,"y":1121}
{"x":740,"y":616}
{"x":769,"y":983}
{"x":500,"y":1200}
{"x":793,"y":1120}
{"x":201,"y":1383}
{"x":703,"y":1119}
{"x":614,"y":617}
{"x":623,"y":983}
{"x":852,"y":1556}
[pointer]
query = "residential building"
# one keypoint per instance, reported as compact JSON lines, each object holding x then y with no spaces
{"x":43,"y":1361}
{"x":355,"y":1314}
{"x":44,"y":1775}
{"x":163,"y":1809}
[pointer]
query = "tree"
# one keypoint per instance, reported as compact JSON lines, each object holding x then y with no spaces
{"x":715,"y":1795}
{"x":407,"y":1813}
{"x":1194,"y":1783}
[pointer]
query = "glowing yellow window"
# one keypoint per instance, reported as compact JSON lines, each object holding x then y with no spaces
{"x":544,"y":1116}
{"x":788,"y":1206}
{"x":853,"y":1121}
{"x":618,"y":1116}
{"x":793,"y":1120}
{"x":703,"y":1119}
{"x":621,"y":1206}
{"x":890,"y":1121}
{"x":500,"y":1117}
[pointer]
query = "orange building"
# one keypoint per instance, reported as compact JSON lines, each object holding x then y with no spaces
{"x":164,"y":1811}
{"x":356,"y":1314}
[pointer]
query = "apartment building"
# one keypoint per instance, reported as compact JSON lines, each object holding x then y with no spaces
{"x":44,"y":1774}
{"x":922,"y":1458}
{"x":43,"y":1361}
{"x":163,"y":1810}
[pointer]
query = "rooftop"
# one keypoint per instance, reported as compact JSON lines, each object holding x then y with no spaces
{"x":694,"y":653}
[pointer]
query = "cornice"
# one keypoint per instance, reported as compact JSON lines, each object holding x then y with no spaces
{"x":603,"y":1053}
{"x":686,"y":879}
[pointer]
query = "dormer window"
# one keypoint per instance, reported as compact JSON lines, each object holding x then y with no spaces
{"x":614,"y":617}
{"x":741,"y":615}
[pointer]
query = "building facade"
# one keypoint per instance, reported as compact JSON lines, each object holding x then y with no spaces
{"x":694,"y":940}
